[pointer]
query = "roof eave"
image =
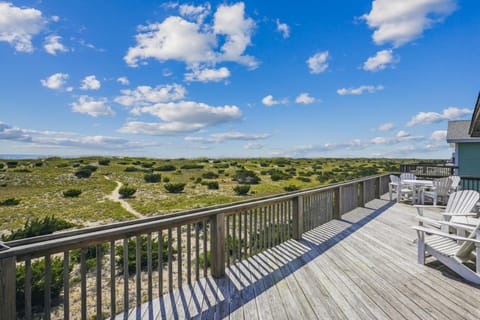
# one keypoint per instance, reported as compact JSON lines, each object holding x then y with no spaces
{"x":474,"y":130}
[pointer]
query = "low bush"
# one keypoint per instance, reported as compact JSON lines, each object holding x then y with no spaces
{"x":209,"y":175}
{"x":72,"y":193}
{"x":167,"y":167}
{"x":152,"y":177}
{"x":174,"y":187}
{"x":38,"y":283}
{"x":12,"y":164}
{"x":132,"y":257}
{"x":246,"y":177}
{"x":304,"y":179}
{"x":2,"y":165}
{"x":147,"y":165}
{"x":127,"y":191}
{"x":192,"y":166}
{"x":242,"y":189}
{"x":211,"y":185}
{"x":291,"y":187}
{"x":166,"y":179}
{"x":131,"y":169}
{"x":10,"y":202}
{"x":104,"y":162}
{"x":85,"y":171}
{"x":37,"y":227}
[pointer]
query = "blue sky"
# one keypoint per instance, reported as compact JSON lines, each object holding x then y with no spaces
{"x":377,"y":78}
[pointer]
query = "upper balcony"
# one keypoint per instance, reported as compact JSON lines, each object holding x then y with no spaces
{"x":343,"y":251}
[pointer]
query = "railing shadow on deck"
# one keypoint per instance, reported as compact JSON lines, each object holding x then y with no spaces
{"x":286,"y":258}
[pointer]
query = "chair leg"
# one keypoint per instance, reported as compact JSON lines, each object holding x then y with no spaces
{"x":421,"y":247}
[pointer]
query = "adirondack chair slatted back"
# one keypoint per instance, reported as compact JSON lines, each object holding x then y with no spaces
{"x":465,"y":251}
{"x":394,"y":179}
{"x":455,"y":182}
{"x":408,"y":176}
{"x":442,"y":186}
{"x":462,"y":201}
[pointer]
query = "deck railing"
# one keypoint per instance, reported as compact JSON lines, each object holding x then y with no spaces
{"x":102,"y":271}
{"x":427,"y":170}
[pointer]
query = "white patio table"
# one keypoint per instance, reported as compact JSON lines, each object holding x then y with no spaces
{"x":417,"y":187}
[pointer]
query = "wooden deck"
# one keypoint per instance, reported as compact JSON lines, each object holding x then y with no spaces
{"x":361,"y":267}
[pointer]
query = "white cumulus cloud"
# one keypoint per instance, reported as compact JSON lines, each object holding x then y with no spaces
{"x":198,"y":13}
{"x":52,"y":45}
{"x":359,"y":90}
{"x":181,"y":117}
{"x":194,"y":42}
{"x":90,"y":83}
{"x":19,"y":25}
{"x":451,"y":113}
{"x":146,"y":95}
{"x":56,"y":81}
{"x":304,"y":98}
{"x":206,"y":75}
{"x":254,"y":146}
{"x":123,"y":80}
{"x":93,"y":107}
{"x":381,"y":60}
{"x":270,"y":101}
{"x":401,"y":21}
{"x":283,"y":28}
{"x":318,"y":62}
{"x":386,"y":126}
{"x":439,"y":135}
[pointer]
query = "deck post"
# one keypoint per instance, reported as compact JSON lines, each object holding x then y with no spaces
{"x":362,"y":194}
{"x":337,"y":210}
{"x":7,"y":288}
{"x":298,"y":217}
{"x":217,"y":230}
{"x":378,"y":189}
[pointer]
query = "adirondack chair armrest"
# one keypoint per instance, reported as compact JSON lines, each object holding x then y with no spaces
{"x":427,"y":220}
{"x":420,"y":208}
{"x":466,"y":214}
{"x":458,"y":225}
{"x":443,"y":234}
{"x":426,"y":206}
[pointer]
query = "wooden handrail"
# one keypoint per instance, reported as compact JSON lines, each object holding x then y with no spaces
{"x":233,"y":227}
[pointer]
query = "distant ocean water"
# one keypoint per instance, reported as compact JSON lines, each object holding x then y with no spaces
{"x":22,"y":156}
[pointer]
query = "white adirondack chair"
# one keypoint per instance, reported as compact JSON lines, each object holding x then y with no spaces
{"x":395,"y":187}
{"x":408,"y":176}
{"x":440,"y":190}
{"x":452,"y":250}
{"x":455,"y":183}
{"x":458,"y":210}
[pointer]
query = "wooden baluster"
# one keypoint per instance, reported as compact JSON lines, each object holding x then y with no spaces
{"x":170,"y":261}
{"x":189,"y":255}
{"x":149,"y":267}
{"x":179,"y":256}
{"x":125,"y":275}
{"x":28,"y":288}
{"x":113,"y":298}
{"x":160,"y":263}
{"x":98,"y":251}
{"x":138,"y":270}
{"x":83,"y":282}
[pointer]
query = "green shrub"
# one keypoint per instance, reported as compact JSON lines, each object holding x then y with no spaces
{"x":201,"y":260}
{"x":304,"y":179}
{"x":174,"y":187}
{"x":152,"y":177}
{"x":191,"y":166}
{"x":2,"y":165}
{"x":90,"y":255}
{"x":85,"y":171}
{"x":209,"y":175}
{"x":277,"y":175}
{"x":242,"y":189}
{"x":147,"y":165}
{"x":12,"y":164}
{"x":37,"y":227}
{"x":166,"y":179}
{"x":38,"y":283}
{"x":167,"y":167}
{"x":24,"y":170}
{"x":132,"y":257}
{"x":211,"y":185}
{"x":72,"y":193}
{"x":104,"y":162}
{"x":246,"y":177}
{"x":291,"y":187}
{"x":131,"y":169}
{"x":9,"y":202}
{"x":127,"y":191}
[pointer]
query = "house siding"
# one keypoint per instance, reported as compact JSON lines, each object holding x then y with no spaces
{"x":469,"y":159}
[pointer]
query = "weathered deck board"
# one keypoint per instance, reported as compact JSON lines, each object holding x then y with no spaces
{"x":361,"y":267}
